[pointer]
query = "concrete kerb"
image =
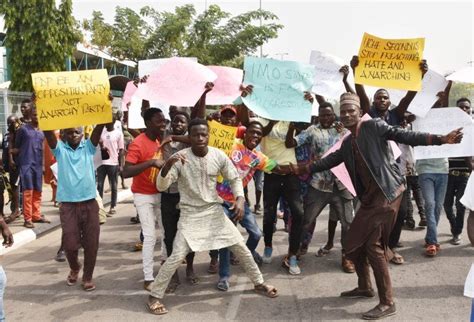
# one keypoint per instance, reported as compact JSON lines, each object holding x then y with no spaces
{"x":26,"y":236}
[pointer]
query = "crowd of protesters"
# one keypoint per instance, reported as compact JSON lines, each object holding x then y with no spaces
{"x":197,"y":194}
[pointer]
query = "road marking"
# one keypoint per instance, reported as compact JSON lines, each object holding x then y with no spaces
{"x":19,"y":239}
{"x":235,"y":300}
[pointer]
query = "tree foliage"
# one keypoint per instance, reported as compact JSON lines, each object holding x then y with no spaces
{"x":214,"y":37}
{"x":459,"y":90}
{"x":39,"y":37}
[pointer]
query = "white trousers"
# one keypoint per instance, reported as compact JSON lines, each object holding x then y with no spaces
{"x":149,"y":210}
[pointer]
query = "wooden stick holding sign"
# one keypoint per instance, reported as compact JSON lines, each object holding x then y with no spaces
{"x":71,"y":99}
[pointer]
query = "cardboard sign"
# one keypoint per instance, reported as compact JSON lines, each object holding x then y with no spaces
{"x":179,"y":82}
{"x":442,"y":121}
{"x":221,"y":136}
{"x":327,"y":78}
{"x":72,"y":99}
{"x":226,"y":86}
{"x":130,"y":89}
{"x":463,"y":75}
{"x":278,"y":88}
{"x":390,"y":63}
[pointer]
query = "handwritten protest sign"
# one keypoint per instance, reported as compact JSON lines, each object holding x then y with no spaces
{"x":390,"y":63}
{"x":221,"y":136}
{"x":341,"y":172}
{"x":327,"y":78}
{"x":442,"y":121}
{"x":70,"y":99}
{"x":226,"y":86}
{"x":278,"y":88}
{"x":433,"y":83}
{"x":146,"y":67}
{"x":179,"y":81}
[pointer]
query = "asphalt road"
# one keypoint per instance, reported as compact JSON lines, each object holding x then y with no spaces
{"x":424,"y":288}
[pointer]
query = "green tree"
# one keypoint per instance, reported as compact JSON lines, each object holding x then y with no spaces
{"x":39,"y":37}
{"x":214,"y":37}
{"x":459,"y":90}
{"x":103,"y":33}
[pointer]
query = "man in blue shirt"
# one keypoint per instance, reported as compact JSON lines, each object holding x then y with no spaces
{"x":79,"y":211}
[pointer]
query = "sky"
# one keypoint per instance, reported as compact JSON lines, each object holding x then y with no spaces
{"x":337,"y":26}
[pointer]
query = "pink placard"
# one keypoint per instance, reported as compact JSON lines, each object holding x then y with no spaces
{"x":179,"y":81}
{"x":226,"y":86}
{"x":341,"y":171}
{"x":130,"y":89}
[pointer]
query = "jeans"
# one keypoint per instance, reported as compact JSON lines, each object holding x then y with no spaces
{"x":250,"y":224}
{"x":111,"y":171}
{"x":149,"y":211}
{"x":414,"y":185}
{"x":3,"y":284}
{"x":289,"y":187}
{"x":455,"y":190}
{"x":433,"y":186}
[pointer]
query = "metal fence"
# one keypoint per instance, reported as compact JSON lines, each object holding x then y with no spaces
{"x":10,"y":104}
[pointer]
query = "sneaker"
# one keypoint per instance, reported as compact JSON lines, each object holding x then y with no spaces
{"x":267,"y":255}
{"x":60,"y":256}
{"x":223,"y":285}
{"x":294,"y":268}
{"x":456,"y":240}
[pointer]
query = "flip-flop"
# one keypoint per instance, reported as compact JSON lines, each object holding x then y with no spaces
{"x":322,"y":252}
{"x":223,"y":285}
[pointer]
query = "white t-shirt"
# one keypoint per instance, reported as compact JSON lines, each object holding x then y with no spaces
{"x":113,"y":141}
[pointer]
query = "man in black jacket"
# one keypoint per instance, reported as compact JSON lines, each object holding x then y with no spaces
{"x":379,"y":185}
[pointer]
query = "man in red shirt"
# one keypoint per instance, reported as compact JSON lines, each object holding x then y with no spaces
{"x":143,"y":162}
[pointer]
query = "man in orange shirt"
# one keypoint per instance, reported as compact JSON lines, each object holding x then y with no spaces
{"x":142,"y":163}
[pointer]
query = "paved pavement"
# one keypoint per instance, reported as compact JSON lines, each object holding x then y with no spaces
{"x":425,"y":288}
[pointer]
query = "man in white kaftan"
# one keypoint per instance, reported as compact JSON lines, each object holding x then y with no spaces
{"x":203,"y":225}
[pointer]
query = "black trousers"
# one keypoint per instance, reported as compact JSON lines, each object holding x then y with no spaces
{"x":454,"y":192}
{"x":287,"y":186}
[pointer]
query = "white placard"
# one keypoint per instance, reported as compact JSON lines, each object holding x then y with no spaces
{"x":464,"y":75}
{"x":433,"y":83}
{"x":327,"y":78}
{"x":146,"y":67}
{"x":468,"y":198}
{"x":442,"y":121}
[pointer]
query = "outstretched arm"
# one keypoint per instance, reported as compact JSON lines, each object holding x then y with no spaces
{"x":199,"y":110}
{"x":51,"y":139}
{"x":360,"y":90}
{"x":345,"y":72}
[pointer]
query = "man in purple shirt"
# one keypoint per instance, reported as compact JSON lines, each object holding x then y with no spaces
{"x":29,"y":143}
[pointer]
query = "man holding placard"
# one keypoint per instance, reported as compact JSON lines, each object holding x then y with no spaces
{"x":79,"y":211}
{"x":379,"y":185}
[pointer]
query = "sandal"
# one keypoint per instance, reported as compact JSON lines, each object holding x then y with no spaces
{"x":431,"y":251}
{"x":156,"y":307}
{"x":88,"y":286}
{"x":267,"y":290}
{"x":72,"y":277}
{"x":397,"y":259}
{"x":322,"y":251}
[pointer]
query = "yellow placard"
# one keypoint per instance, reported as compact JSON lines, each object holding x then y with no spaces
{"x":221,"y":136}
{"x":72,"y":99}
{"x":390,"y":63}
